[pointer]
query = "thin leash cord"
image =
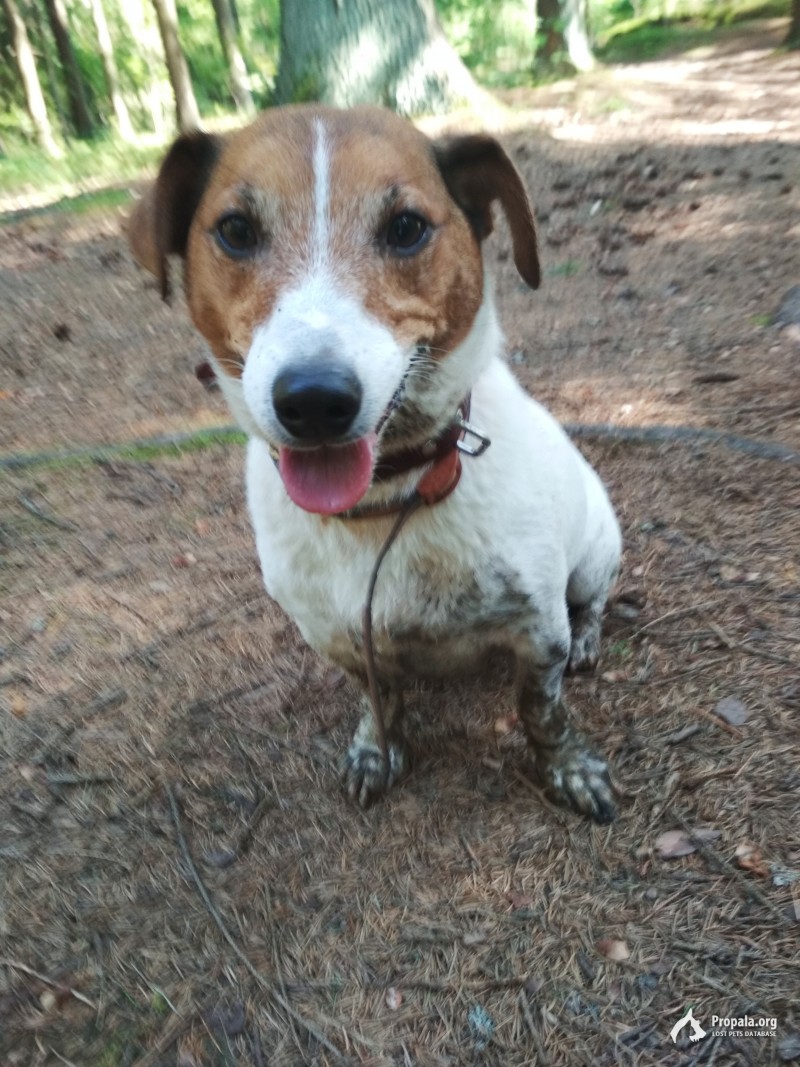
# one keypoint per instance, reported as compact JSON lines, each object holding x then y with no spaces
{"x":369,"y":652}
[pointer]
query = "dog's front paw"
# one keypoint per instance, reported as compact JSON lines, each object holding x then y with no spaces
{"x":577,"y":778}
{"x":366,"y":775}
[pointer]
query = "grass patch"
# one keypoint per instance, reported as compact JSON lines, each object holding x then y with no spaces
{"x":84,"y":167}
{"x":636,"y":40}
{"x":82,"y":204}
{"x":567,"y":269}
{"x":134,"y":451}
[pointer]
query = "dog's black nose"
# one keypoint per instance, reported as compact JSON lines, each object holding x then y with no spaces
{"x":316,"y":403}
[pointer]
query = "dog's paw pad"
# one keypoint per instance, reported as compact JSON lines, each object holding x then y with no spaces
{"x":578,"y":779}
{"x":365,"y":771}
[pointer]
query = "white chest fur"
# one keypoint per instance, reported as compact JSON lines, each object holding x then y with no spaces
{"x":468,"y":569}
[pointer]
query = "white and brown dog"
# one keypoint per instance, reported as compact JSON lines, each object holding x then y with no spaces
{"x":333,"y":264}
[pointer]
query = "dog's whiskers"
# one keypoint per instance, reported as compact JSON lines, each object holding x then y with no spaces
{"x":236,"y":364}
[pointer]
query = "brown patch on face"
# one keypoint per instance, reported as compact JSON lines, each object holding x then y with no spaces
{"x":430,"y":296}
{"x":266,"y":175}
{"x":378,"y":166}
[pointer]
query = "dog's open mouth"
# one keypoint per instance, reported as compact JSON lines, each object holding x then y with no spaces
{"x":331,"y":478}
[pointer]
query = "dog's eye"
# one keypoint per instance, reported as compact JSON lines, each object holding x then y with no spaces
{"x":407,"y":232}
{"x":236,"y":235}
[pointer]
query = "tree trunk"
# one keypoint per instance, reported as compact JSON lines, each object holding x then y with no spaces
{"x":237,"y":72}
{"x":349,"y":52}
{"x":562,"y":36}
{"x":155,"y":95}
{"x":121,"y":116}
{"x":185,"y":103}
{"x":793,"y":38}
{"x":76,"y":93}
{"x":34,"y":99}
{"x":576,"y":34}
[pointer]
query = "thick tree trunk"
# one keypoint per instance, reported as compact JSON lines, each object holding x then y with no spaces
{"x":185,"y":103}
{"x":26,"y":64}
{"x":121,"y":116}
{"x":349,"y":52}
{"x":562,"y":36}
{"x":793,"y":38}
{"x":237,"y":72}
{"x":76,"y":93}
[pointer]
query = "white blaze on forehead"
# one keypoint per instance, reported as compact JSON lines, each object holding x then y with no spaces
{"x":322,"y":175}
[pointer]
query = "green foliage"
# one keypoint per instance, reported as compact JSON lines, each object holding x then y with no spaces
{"x":308,"y":88}
{"x":629,"y":31}
{"x":566,"y":269}
{"x":496,"y":41}
{"x":104,"y":159}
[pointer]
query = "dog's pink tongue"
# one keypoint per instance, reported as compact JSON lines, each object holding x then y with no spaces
{"x":328,"y":479}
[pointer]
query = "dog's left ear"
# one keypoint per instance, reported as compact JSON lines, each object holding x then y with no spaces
{"x":477,"y":172}
{"x":159,"y":224}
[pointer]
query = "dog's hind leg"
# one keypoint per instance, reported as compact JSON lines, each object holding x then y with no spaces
{"x":586,"y":621}
{"x":365,"y":773}
{"x":564,"y":763}
{"x":587,"y":593}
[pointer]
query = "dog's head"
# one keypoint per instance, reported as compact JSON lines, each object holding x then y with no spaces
{"x":333,"y":264}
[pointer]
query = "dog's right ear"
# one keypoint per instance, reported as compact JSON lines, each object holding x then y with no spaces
{"x":159,"y":224}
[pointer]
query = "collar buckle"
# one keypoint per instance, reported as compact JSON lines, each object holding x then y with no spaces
{"x":469,"y":430}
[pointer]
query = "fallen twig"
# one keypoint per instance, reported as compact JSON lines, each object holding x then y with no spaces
{"x":52,"y":520}
{"x":678,"y":613}
{"x":78,"y":779}
{"x":542,"y":1057}
{"x":6,"y":961}
{"x":307,"y":1024}
{"x":724,"y":866}
{"x":174,"y":1029}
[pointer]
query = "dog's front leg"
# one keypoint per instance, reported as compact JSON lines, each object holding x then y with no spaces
{"x":365,"y":772}
{"x":569,"y":770}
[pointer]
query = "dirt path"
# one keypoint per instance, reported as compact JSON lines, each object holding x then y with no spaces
{"x":464,"y":921}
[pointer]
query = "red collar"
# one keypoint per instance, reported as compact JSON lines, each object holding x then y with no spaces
{"x":444,"y":452}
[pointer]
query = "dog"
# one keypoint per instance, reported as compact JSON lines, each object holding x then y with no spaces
{"x":333,"y":263}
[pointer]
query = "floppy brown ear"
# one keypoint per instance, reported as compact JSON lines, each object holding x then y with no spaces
{"x":477,"y":172}
{"x":159,"y":224}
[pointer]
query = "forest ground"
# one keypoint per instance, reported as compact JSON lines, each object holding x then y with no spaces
{"x":164,"y":728}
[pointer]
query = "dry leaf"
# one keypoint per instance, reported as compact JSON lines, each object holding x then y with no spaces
{"x":675,"y":843}
{"x":506,"y":723}
{"x":394,"y":998}
{"x":474,"y":937}
{"x":613,"y":950}
{"x":48,"y":1000}
{"x":749,"y":858}
{"x":731,"y":710}
{"x":518,"y":900}
{"x":614,"y":676}
{"x":729,"y":573}
{"x":19,"y":706}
